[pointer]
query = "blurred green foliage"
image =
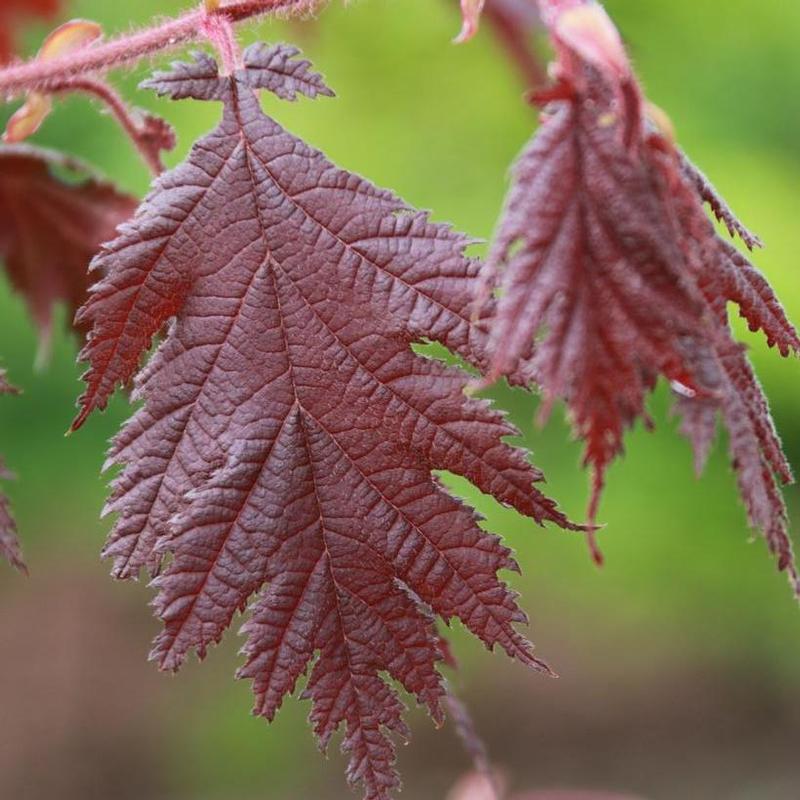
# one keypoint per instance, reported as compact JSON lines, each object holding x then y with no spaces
{"x":441,"y":125}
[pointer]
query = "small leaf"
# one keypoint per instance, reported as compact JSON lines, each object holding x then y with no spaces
{"x":471,"y":12}
{"x":65,"y":39}
{"x":279,"y":70}
{"x":69,"y":38}
{"x":28,"y":118}
{"x":153,"y":135}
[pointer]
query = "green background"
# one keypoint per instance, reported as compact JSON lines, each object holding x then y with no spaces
{"x":679,"y":661}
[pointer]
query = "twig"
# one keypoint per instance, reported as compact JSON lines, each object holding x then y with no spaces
{"x":46,"y":75}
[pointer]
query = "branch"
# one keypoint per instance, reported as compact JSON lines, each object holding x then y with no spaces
{"x":125,"y":50}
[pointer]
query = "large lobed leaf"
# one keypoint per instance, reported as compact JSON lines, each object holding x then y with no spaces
{"x":606,"y":251}
{"x":288,"y":432}
{"x":54,"y":213}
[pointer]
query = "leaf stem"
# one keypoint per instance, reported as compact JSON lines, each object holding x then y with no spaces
{"x":219,"y":31}
{"x":135,"y":128}
{"x":517,"y":39}
{"x":45,"y":75}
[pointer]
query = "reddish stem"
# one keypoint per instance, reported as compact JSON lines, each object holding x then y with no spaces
{"x":219,"y":31}
{"x":517,"y":39}
{"x":126,"y":118}
{"x":46,"y":75}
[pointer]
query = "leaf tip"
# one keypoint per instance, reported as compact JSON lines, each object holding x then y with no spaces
{"x":471,"y":12}
{"x":594,"y":549}
{"x":588,"y":31}
{"x":28,"y":118}
{"x":79,"y":420}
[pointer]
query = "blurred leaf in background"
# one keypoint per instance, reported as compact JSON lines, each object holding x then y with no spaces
{"x":678,"y":661}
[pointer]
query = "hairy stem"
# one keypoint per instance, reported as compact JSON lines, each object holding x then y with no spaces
{"x":118,"y":108}
{"x":219,"y":31}
{"x":125,"y":50}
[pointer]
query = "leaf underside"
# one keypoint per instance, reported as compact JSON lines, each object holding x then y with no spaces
{"x":606,"y":257}
{"x":288,"y":433}
{"x":54,"y":213}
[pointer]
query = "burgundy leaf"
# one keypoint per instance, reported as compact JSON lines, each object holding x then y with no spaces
{"x":278,"y":69}
{"x":54,"y":214}
{"x":153,"y":136}
{"x":288,"y":433}
{"x":9,"y":545}
{"x":606,"y":254}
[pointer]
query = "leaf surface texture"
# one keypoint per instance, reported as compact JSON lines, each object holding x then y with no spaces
{"x":607,"y":260}
{"x":284,"y":451}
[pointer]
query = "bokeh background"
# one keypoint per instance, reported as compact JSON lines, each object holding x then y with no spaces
{"x":679,"y":662}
